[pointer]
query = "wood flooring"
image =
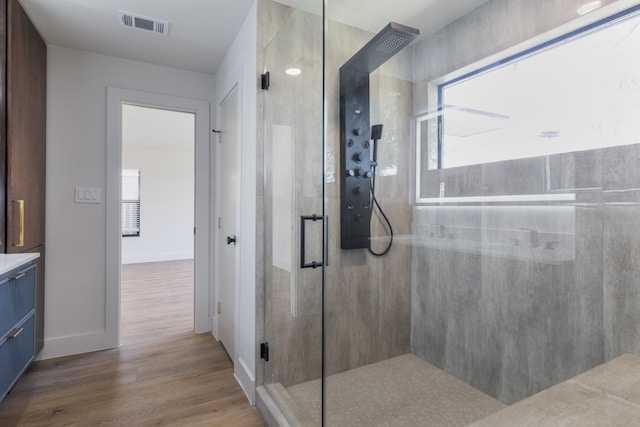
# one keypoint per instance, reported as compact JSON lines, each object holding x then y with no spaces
{"x":163,"y":373}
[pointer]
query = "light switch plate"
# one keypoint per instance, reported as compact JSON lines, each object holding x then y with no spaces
{"x":87,"y":195}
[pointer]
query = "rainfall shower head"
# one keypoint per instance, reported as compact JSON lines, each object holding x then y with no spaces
{"x":391,"y":40}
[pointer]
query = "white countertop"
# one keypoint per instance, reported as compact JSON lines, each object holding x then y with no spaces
{"x":10,"y":261}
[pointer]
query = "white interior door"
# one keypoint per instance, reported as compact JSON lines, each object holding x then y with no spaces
{"x":227,"y":221}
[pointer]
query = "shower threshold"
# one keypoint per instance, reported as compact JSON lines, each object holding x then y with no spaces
{"x":402,"y":391}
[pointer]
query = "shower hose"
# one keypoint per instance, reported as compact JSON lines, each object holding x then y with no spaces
{"x":375,"y":202}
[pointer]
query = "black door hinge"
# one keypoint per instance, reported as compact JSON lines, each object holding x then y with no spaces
{"x":265,"y":81}
{"x":264,"y":351}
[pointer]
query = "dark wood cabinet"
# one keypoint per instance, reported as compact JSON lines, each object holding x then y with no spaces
{"x":23,"y":71}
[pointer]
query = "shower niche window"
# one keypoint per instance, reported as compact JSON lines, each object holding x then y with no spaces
{"x":577,"y":92}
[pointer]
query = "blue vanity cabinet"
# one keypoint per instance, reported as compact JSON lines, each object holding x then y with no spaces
{"x":17,"y":321}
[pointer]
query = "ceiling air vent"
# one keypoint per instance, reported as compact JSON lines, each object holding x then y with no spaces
{"x":144,"y":23}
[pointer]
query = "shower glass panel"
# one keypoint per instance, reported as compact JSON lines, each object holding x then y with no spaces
{"x":454,"y":292}
{"x":440,"y":294}
{"x":293,"y":207}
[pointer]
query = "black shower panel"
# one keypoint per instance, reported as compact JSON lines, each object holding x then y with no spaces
{"x":355,"y":160}
{"x":356,"y":166}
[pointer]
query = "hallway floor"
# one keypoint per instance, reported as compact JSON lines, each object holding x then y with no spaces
{"x":162,"y":374}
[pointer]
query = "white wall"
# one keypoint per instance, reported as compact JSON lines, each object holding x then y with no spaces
{"x":76,"y":155}
{"x":239,"y":67}
{"x":166,"y":199}
{"x":161,"y":144}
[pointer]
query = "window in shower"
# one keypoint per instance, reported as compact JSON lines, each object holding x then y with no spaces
{"x":577,"y":92}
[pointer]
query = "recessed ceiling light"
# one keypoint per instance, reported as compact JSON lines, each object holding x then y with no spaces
{"x":293,"y":71}
{"x":589,"y":6}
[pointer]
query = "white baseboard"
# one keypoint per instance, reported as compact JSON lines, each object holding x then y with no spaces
{"x":246,"y":379}
{"x":135,"y":259}
{"x":77,"y":344}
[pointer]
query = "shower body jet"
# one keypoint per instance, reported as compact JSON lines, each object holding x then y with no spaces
{"x":355,"y":134}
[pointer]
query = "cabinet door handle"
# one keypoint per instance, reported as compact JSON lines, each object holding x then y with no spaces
{"x":19,"y":276}
{"x":20,"y":242}
{"x":15,"y":333}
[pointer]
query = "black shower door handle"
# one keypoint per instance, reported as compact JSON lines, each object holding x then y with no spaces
{"x":303,"y":226}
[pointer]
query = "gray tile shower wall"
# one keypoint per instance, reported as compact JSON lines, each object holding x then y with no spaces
{"x":621,"y":250}
{"x":368,"y":298}
{"x":515,"y":297}
{"x":513,"y":314}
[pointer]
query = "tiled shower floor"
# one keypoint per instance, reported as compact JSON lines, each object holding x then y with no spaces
{"x":403,"y":391}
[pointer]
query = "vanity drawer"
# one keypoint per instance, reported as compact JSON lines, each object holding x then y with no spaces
{"x":16,"y":353}
{"x":17,"y":297}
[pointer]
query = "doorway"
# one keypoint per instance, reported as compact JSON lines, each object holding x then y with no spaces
{"x":116,"y":99}
{"x":158,"y":187}
{"x":158,"y":184}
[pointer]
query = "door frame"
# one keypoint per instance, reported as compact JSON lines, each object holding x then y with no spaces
{"x":239,"y":69}
{"x":202,"y":288}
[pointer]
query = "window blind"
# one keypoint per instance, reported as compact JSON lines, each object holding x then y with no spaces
{"x":130,"y":202}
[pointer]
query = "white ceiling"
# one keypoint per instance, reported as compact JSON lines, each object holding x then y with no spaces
{"x":201,"y":31}
{"x":426,"y":15}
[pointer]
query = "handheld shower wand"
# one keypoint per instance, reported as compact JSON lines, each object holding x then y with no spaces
{"x":376,"y":135}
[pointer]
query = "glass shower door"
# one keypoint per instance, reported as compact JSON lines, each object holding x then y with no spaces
{"x":294,"y":217}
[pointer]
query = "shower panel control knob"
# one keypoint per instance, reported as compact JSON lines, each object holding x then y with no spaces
{"x":357,"y":131}
{"x":356,"y":172}
{"x":357,"y":156}
{"x":350,"y":173}
{"x":367,"y":174}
